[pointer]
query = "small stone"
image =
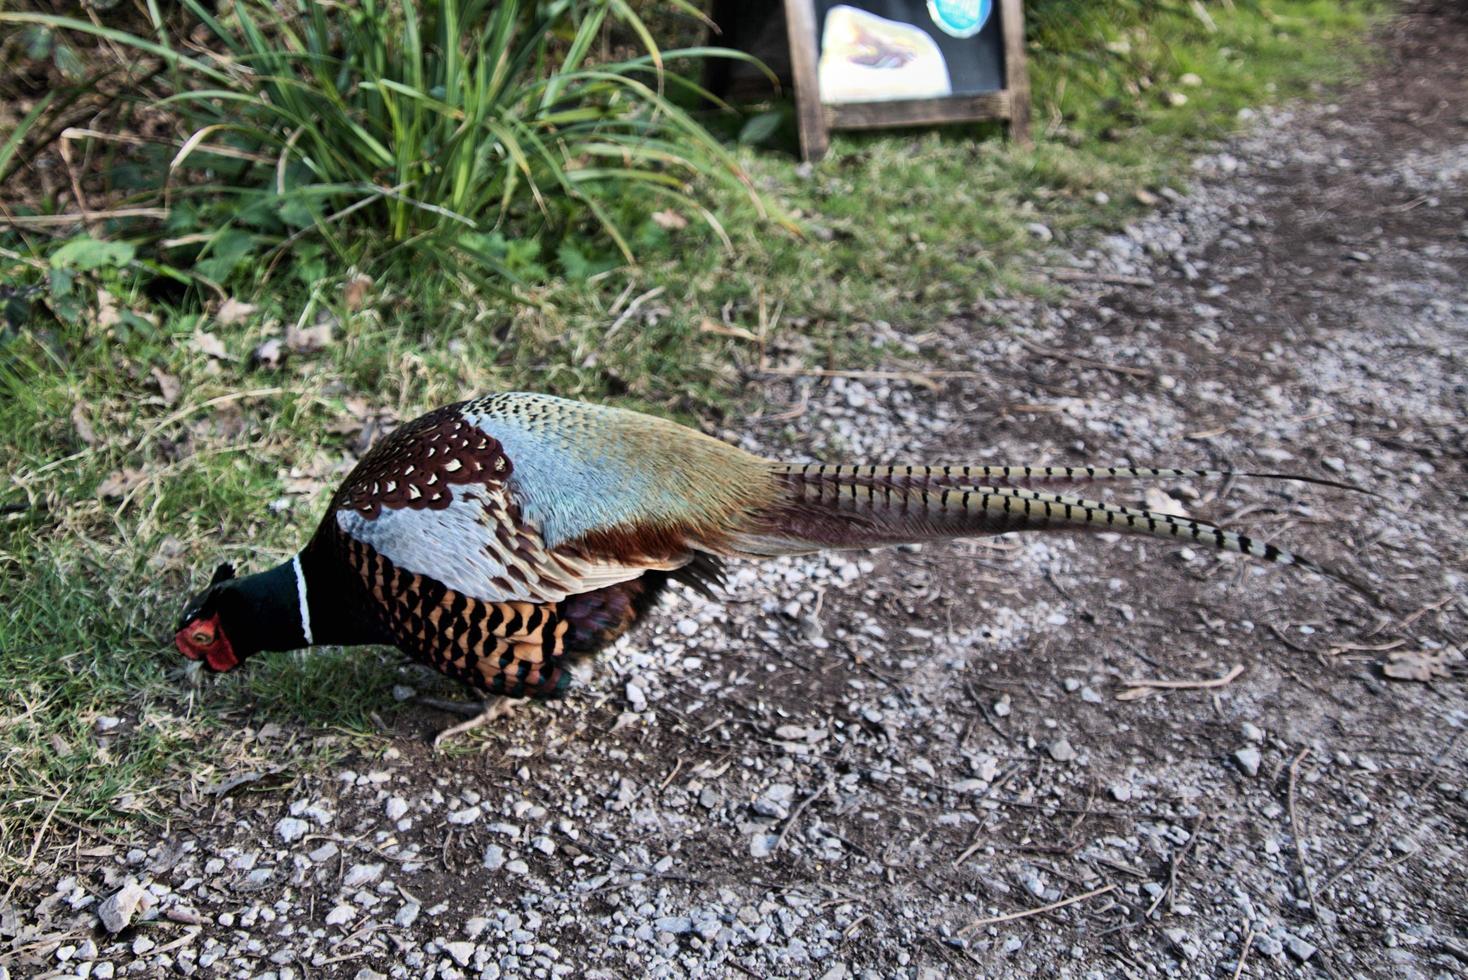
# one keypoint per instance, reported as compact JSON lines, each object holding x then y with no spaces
{"x":117,"y":911}
{"x":325,"y":852}
{"x":362,"y":874}
{"x":1062,"y":751}
{"x":1002,"y":707}
{"x":340,"y":915}
{"x":465,"y":816}
{"x":761,"y":845}
{"x":407,"y":915}
{"x":1121,"y":792}
{"x":396,"y":808}
{"x":291,"y":829}
{"x":1253,"y":732}
{"x":402,"y":692}
{"x":461,"y":951}
{"x":143,"y":946}
{"x":1248,"y":759}
{"x":1268,"y":945}
{"x":1299,"y":948}
{"x":494,"y":857}
{"x":676,"y":924}
{"x":1040,"y":232}
{"x":1190,"y":79}
{"x":106,"y":723}
{"x":517,"y":867}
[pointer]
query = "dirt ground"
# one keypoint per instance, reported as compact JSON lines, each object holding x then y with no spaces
{"x":936,"y":762}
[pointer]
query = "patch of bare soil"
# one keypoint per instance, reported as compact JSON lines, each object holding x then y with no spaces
{"x":946,"y":761}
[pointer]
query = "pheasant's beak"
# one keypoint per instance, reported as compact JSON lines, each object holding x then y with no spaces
{"x":203,"y":640}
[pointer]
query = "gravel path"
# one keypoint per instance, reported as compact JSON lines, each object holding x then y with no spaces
{"x":881,"y":765}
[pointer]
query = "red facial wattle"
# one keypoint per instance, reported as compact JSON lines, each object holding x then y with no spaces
{"x":204,"y":640}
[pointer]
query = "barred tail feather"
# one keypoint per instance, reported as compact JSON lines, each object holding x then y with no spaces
{"x":864,"y":507}
{"x":1003,"y":474}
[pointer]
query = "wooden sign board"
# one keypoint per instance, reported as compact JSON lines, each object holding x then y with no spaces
{"x":869,"y":64}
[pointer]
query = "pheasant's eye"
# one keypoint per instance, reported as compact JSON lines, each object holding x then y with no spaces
{"x":202,"y":637}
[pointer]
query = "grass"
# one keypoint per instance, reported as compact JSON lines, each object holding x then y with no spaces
{"x":137,"y":460}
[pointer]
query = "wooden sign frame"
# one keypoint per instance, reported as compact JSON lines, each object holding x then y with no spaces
{"x":817,"y":120}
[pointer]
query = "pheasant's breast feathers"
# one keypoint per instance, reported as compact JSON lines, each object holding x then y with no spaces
{"x":519,"y":497}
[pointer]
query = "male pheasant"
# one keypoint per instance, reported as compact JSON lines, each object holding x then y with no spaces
{"x":496,"y":539}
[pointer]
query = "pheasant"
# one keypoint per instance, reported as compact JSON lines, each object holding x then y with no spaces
{"x":499,"y":539}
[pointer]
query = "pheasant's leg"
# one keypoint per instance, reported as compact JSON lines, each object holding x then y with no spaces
{"x":468,"y":709}
{"x":494,"y":708}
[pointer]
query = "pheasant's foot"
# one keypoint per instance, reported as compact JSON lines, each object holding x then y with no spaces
{"x":494,"y":708}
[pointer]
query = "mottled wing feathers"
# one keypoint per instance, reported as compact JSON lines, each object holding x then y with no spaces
{"x":417,"y":466}
{"x":517,"y":497}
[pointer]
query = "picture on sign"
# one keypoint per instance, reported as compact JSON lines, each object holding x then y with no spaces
{"x":889,"y":50}
{"x":869,"y":64}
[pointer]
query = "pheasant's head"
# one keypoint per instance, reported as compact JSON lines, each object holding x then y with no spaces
{"x":204,"y":630}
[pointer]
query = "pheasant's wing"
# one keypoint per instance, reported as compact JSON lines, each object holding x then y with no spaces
{"x":436,"y":499}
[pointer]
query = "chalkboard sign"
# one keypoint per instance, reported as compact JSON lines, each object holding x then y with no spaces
{"x":865,"y":64}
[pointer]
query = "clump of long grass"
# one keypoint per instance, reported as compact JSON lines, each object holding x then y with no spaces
{"x":412,"y":134}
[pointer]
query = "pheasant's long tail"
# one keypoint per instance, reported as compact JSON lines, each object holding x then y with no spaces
{"x":1006,"y":475}
{"x":863,"y":507}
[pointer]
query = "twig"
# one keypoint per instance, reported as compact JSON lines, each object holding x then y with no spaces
{"x":1410,"y":620}
{"x":626,"y":314}
{"x":1295,"y":827}
{"x":1010,"y":917}
{"x":49,"y":220}
{"x":189,"y":936}
{"x":1170,"y":892}
{"x":73,"y":133}
{"x":795,"y":815}
{"x":1140,"y":688}
{"x":1244,"y":953}
{"x":1352,"y":861}
{"x":1061,"y":355}
{"x":927,"y":379}
{"x":1072,"y":274}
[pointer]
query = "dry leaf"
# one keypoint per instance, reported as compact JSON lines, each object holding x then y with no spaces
{"x":233,"y":311}
{"x":1422,"y":665}
{"x":270,"y":354}
{"x":211,"y":345}
{"x":168,"y":386}
{"x":83,"y":425}
{"x":1160,"y":502}
{"x":107,"y":315}
{"x":309,"y":340}
{"x":707,"y":325}
{"x":354,"y":294}
{"x":119,"y":484}
{"x":669,"y":220}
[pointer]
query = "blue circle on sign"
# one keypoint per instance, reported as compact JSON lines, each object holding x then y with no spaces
{"x":960,"y":18}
